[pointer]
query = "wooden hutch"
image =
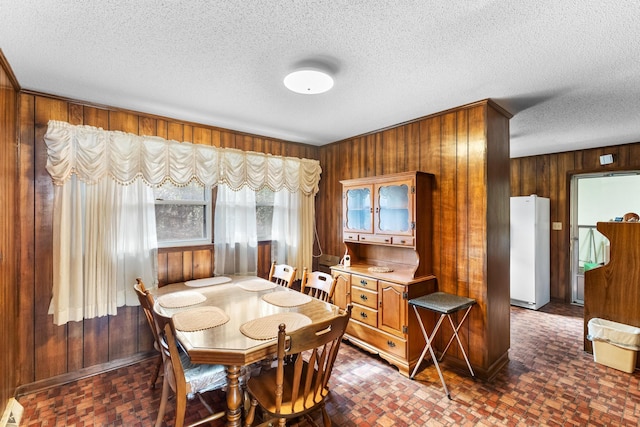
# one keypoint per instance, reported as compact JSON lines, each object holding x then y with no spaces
{"x":387,"y":232}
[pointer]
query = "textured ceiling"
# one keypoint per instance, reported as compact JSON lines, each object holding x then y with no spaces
{"x":568,"y":70}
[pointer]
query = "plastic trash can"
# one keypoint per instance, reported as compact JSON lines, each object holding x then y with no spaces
{"x":614,"y":344}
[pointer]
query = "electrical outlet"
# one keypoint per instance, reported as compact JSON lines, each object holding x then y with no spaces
{"x":556,"y":226}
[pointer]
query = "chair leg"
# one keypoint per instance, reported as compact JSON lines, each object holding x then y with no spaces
{"x":163,"y":401}
{"x":181,"y":409}
{"x":325,"y":417}
{"x":156,"y":372}
{"x":248,"y":421}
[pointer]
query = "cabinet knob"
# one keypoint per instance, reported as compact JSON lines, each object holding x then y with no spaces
{"x":363,"y":282}
{"x":391,"y":344}
{"x":363,"y":314}
{"x":363,"y":297}
{"x":386,"y":240}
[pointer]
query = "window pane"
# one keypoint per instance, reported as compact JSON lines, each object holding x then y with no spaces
{"x":264,"y":219}
{"x":180,"y":222}
{"x":168,"y":191}
{"x":264,"y":197}
{"x":264,"y":213}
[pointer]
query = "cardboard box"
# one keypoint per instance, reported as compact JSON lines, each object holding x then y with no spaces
{"x":614,"y":356}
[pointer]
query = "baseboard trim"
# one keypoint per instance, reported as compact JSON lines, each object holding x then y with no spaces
{"x":82,"y":373}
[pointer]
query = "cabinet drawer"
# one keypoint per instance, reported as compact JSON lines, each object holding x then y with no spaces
{"x":389,"y":344}
{"x":364,"y":282}
{"x":366,"y":297}
{"x":350,"y":237}
{"x":384,"y":342}
{"x":402,"y":240}
{"x":375,"y":238}
{"x":364,"y":315}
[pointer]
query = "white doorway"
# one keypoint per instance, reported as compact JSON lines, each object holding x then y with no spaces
{"x":597,"y":198}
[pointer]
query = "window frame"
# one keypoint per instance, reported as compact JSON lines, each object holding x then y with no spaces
{"x":208,"y":218}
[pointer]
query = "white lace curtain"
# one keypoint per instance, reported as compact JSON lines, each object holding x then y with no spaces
{"x":87,"y":252}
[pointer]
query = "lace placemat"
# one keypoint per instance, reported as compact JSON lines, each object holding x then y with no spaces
{"x":208,"y":281}
{"x":286,"y":299}
{"x":266,"y":328}
{"x":197,"y":319}
{"x":181,"y":299}
{"x":256,"y":285}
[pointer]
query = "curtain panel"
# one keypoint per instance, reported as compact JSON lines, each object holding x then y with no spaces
{"x":92,"y":153}
{"x":100,"y":193}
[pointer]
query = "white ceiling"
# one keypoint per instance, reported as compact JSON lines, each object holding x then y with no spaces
{"x":568,"y":70}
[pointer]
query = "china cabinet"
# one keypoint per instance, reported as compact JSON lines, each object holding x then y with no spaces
{"x":387,"y":233}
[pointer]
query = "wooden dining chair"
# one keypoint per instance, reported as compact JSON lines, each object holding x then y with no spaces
{"x":298,"y":384}
{"x":186,"y":379}
{"x":146,"y":302}
{"x":318,"y":285}
{"x":282,"y":274}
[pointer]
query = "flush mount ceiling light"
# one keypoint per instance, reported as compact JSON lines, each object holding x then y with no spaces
{"x":308,"y":81}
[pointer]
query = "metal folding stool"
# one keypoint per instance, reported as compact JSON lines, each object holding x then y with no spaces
{"x":444,"y":304}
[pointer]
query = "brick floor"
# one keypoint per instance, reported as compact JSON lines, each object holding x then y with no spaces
{"x":549,"y":380}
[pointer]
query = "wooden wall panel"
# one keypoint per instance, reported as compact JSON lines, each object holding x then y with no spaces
{"x":549,"y":175}
{"x":50,"y":340}
{"x":453,"y":146}
{"x":10,"y":228}
{"x":48,"y":350}
{"x":26,"y":343}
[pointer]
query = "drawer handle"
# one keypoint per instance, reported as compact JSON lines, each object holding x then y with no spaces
{"x":363,"y":297}
{"x":363,"y":238}
{"x":363,"y":314}
{"x":403,"y":241}
{"x":363,"y":282}
{"x":391,"y":344}
{"x":386,"y":240}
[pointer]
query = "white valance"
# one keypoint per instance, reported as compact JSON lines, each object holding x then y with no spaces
{"x":93,"y":153}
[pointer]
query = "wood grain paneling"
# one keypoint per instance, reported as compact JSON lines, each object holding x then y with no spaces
{"x":467,"y":151}
{"x":10,"y":229}
{"x":48,"y":350}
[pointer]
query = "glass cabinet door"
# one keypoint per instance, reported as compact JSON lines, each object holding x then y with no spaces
{"x":394,"y":208}
{"x":358,"y":209}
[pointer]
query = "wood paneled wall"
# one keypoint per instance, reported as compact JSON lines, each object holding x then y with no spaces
{"x":181,"y":264}
{"x":51,"y":350}
{"x":467,"y":149}
{"x":9,"y":232}
{"x":549,"y":176}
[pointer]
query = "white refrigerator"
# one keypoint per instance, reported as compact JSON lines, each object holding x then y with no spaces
{"x":530,"y":248}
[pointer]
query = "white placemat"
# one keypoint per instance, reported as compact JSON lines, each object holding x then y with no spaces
{"x":181,"y":299}
{"x":255,"y":285}
{"x":208,"y":281}
{"x":199,"y":318}
{"x":266,"y":328}
{"x":286,"y":299}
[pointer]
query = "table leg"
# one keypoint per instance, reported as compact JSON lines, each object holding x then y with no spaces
{"x":234,"y":397}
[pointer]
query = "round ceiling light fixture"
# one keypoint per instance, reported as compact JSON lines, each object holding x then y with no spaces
{"x":308,"y":81}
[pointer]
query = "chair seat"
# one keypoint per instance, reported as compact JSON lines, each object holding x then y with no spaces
{"x":202,"y":377}
{"x":262,"y":389}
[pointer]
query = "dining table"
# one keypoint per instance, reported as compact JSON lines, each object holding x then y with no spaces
{"x":233,"y":321}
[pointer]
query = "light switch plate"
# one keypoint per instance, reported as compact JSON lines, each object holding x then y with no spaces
{"x":556,"y":226}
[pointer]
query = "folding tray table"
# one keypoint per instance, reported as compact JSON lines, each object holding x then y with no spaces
{"x":445,"y":304}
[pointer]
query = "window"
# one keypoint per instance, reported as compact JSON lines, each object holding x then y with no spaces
{"x":264,"y":213}
{"x":183,"y":215}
